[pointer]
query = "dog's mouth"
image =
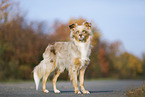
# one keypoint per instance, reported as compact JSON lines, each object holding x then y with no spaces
{"x":81,"y":38}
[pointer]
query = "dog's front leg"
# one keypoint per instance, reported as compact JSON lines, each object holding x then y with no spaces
{"x":81,"y":78}
{"x":75,"y":82}
{"x":73,"y":75}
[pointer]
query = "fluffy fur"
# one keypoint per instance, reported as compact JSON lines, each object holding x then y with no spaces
{"x":73,"y":56}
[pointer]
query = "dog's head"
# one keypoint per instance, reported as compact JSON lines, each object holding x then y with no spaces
{"x":80,"y":33}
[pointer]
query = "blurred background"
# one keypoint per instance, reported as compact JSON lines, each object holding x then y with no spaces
{"x":28,"y":26}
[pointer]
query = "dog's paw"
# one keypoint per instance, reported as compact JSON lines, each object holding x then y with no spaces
{"x":45,"y":91}
{"x":85,"y":92}
{"x":85,"y":60}
{"x":77,"y":92}
{"x":56,"y":91}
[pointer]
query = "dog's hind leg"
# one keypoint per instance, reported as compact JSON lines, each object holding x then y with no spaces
{"x":81,"y":78}
{"x":54,"y":81}
{"x":47,"y":73}
{"x":44,"y":82}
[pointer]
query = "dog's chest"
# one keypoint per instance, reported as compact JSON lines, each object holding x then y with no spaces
{"x":84,"y":50}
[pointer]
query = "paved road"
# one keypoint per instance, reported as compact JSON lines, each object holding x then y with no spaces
{"x":108,"y":88}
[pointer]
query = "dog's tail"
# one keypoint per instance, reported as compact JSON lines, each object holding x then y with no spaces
{"x":38,"y":72}
{"x":36,"y":78}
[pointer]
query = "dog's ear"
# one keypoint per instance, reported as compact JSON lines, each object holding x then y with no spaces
{"x":88,"y":25}
{"x":72,"y":26}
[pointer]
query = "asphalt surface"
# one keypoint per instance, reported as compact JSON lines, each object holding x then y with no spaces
{"x":97,"y":88}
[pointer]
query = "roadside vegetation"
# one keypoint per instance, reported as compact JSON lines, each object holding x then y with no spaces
{"x":139,"y":92}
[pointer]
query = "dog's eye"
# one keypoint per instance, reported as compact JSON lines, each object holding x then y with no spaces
{"x":77,"y":31}
{"x":84,"y":31}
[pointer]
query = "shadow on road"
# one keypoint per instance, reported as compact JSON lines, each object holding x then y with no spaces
{"x":101,"y":91}
{"x":89,"y":91}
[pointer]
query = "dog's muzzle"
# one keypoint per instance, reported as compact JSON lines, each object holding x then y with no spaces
{"x":81,"y":37}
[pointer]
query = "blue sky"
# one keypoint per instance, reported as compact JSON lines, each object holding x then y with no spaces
{"x":122,"y":20}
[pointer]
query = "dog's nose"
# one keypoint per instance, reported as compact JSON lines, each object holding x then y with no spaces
{"x":80,"y":35}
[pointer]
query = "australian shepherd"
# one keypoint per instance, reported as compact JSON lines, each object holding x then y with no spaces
{"x":72,"y":56}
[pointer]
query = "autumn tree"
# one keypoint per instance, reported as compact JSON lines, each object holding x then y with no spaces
{"x":103,"y":59}
{"x":21,"y":45}
{"x":60,"y":32}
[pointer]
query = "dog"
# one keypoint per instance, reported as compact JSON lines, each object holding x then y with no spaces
{"x":72,"y":56}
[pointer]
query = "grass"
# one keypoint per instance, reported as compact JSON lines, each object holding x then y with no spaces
{"x":138,"y":92}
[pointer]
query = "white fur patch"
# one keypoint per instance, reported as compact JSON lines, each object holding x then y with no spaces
{"x":46,"y":91}
{"x":79,"y":92}
{"x":86,"y":92}
{"x":56,"y":91}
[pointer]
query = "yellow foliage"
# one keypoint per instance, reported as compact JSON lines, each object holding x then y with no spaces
{"x":131,"y":64}
{"x":134,"y":63}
